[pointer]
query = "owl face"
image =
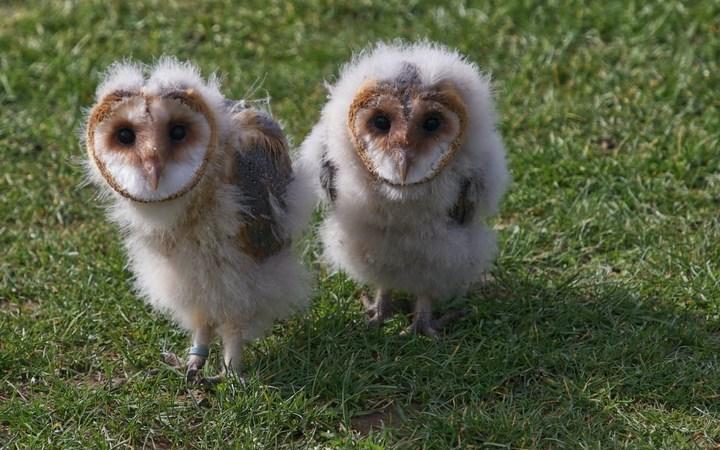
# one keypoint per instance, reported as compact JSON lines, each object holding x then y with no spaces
{"x":405,"y":132}
{"x":151,"y":143}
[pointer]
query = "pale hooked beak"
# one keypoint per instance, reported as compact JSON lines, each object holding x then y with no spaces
{"x":402,"y":160}
{"x":152,"y":173}
{"x":153,"y":162}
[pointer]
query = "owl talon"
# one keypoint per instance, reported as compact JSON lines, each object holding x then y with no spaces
{"x":213,"y":380}
{"x":376,"y":321}
{"x":367,"y":303}
{"x":431,"y":328}
{"x":225,"y":374}
{"x":427,"y":328}
{"x":192,"y":367}
{"x":378,"y":311}
{"x":194,"y":364}
{"x":191,"y":375}
{"x":377,"y":318}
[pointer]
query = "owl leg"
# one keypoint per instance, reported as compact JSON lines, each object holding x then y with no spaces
{"x":199,"y":351}
{"x":380,"y":310}
{"x":197,"y":355}
{"x":233,"y":344}
{"x":423,"y":322}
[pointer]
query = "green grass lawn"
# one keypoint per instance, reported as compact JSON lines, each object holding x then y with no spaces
{"x":600,"y":330}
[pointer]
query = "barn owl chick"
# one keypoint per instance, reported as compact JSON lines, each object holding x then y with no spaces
{"x":203,"y":191}
{"x":409,"y":161}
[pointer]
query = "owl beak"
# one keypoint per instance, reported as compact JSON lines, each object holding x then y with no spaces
{"x":152,"y":174}
{"x":402,"y":160}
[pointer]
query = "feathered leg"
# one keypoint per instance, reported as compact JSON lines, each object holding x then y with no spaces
{"x":199,"y":351}
{"x":197,"y":355}
{"x":233,"y":344}
{"x":380,"y":310}
{"x":423,"y":322}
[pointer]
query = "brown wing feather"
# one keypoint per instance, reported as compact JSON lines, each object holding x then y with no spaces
{"x":262,"y":170}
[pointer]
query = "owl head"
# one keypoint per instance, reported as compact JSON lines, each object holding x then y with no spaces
{"x":408,"y":110}
{"x":150,"y":138}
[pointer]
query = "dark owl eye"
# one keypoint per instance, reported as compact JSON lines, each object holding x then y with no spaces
{"x":381,"y":122}
{"x":126,"y":136}
{"x":431,"y":124}
{"x":177,"y":132}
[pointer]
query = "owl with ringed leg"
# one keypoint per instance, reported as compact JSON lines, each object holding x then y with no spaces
{"x":408,"y":160}
{"x":203,"y":190}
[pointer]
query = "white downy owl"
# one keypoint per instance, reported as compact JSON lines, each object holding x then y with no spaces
{"x":409,"y":162}
{"x":204,"y":193}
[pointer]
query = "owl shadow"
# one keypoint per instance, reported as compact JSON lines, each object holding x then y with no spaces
{"x":562,"y":348}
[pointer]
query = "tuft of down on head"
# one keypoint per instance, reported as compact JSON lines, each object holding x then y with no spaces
{"x":120,"y":76}
{"x":168,"y":73}
{"x":435,"y":63}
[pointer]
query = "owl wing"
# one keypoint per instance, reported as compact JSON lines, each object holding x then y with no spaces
{"x":471,"y":186}
{"x":262,"y":171}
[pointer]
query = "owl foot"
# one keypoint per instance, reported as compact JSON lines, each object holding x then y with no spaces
{"x":225,"y":374}
{"x":195,"y":363}
{"x":427,"y":328}
{"x":212,"y":380}
{"x":424,"y":325}
{"x":379,"y":310}
{"x":423,"y":322}
{"x":192,"y":367}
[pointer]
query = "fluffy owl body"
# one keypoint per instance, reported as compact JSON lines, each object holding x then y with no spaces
{"x":408,"y":160}
{"x":204,"y":193}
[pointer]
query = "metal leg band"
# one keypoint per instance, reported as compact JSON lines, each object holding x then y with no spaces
{"x":199,"y":350}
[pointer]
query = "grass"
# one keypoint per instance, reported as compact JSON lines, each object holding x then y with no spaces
{"x":601,"y":329}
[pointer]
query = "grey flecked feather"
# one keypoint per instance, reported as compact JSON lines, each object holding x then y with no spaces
{"x":327,"y":178}
{"x":409,"y":76}
{"x":465,"y":206}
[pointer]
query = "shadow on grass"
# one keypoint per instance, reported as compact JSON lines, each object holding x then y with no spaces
{"x":538,"y":363}
{"x":534,"y":361}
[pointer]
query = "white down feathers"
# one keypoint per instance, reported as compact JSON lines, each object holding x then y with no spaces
{"x":402,"y":237}
{"x":184,"y":253}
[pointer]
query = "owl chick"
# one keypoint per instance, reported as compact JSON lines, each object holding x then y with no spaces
{"x":409,"y":161}
{"x":203,"y":191}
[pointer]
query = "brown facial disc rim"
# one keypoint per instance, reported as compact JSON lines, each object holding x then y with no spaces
{"x":104,"y":109}
{"x":368,"y":92}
